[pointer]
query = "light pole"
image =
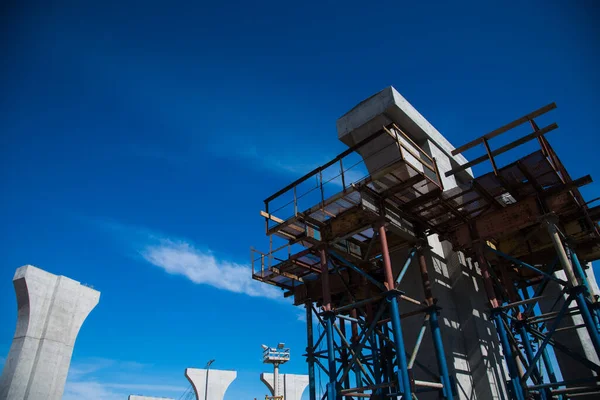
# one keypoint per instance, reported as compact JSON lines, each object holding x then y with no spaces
{"x":276,"y":356}
{"x":206,"y":386}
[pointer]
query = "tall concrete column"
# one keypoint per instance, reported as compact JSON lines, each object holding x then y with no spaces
{"x":51,"y":310}
{"x":472,"y":350}
{"x":212,"y":387}
{"x":290,"y":386}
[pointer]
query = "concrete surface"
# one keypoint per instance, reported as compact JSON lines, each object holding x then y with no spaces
{"x":290,"y":385}
{"x":51,"y":310}
{"x":470,"y":342}
{"x":577,"y":341}
{"x":138,"y":397}
{"x":389,"y":106}
{"x":218,"y":382}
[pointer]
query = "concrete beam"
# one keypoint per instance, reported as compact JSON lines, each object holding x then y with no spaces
{"x":217,"y":383}
{"x":51,"y":310}
{"x":386,"y":107}
{"x":293,"y":385}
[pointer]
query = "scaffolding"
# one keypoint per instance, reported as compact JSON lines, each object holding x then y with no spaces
{"x":523,"y":223}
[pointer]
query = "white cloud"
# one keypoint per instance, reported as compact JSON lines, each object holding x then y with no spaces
{"x":301,"y":316}
{"x":89,"y":390}
{"x":182,"y":258}
{"x":146,"y":387}
{"x":84,"y":383}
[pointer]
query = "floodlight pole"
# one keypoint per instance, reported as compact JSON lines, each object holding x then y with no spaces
{"x":206,"y":386}
{"x":276,"y":379}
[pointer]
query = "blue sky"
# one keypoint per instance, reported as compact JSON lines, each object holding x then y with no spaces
{"x":138,"y":140}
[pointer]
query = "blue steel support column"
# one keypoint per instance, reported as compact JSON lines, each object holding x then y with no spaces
{"x":403,"y":378}
{"x":529,"y":354}
{"x":310,"y":357}
{"x":376,"y":353}
{"x":509,"y":356}
{"x":579,"y":270}
{"x":576,"y":290}
{"x":515,"y":382}
{"x":354,"y":326}
{"x":436,"y":334}
{"x":328,"y":316}
{"x":545,"y":356}
{"x":331,"y":367}
{"x":583,"y":277}
{"x":587,"y":317}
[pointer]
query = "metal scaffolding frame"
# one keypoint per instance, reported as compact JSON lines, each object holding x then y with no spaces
{"x":335,"y":261}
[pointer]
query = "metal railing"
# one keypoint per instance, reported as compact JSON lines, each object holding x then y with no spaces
{"x":344,"y":173}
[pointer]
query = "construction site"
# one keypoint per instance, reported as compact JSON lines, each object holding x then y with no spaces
{"x":418,"y":278}
{"x":421,"y":280}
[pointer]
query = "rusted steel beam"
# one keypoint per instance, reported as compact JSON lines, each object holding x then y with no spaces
{"x":504,"y":148}
{"x":402,"y":185}
{"x":530,"y":178}
{"x":505,"y":128}
{"x":486,"y":195}
{"x":421,"y":199}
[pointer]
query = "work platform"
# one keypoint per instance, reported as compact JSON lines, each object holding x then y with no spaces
{"x":505,"y":207}
{"x":399,"y":184}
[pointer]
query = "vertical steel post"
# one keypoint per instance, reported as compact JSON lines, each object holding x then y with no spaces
{"x":403,"y":378}
{"x":583,"y":277}
{"x":578,"y":291}
{"x":310,"y":350}
{"x":354,"y":326}
{"x":548,"y":366}
{"x":328,"y":316}
{"x":515,"y":381}
{"x":590,"y":324}
{"x":376,"y":353}
{"x":529,"y":355}
{"x":435,"y":326}
{"x":560,"y":251}
{"x":344,"y":352}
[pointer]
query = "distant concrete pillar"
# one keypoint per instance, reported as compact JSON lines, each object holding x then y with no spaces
{"x":290,"y":385}
{"x":51,"y":310}
{"x":217,"y":383}
{"x":138,"y":397}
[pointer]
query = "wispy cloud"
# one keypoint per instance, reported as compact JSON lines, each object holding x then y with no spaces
{"x":84,"y":382}
{"x":183,"y":258}
{"x":301,"y":316}
{"x":90,"y":390}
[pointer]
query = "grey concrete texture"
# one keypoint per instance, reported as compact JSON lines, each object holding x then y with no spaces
{"x":577,"y":341}
{"x":217,"y":383}
{"x":290,"y":385}
{"x":470,"y":341}
{"x":139,"y":397}
{"x":389,"y":106}
{"x":51,"y":311}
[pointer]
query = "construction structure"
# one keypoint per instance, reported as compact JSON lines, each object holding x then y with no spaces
{"x":275,"y":356}
{"x":425,"y":281}
{"x":51,"y":311}
{"x":210,"y":384}
{"x":291,"y":386}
